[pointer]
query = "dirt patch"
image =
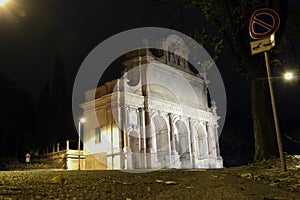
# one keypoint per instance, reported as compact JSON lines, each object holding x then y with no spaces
{"x":262,"y":180}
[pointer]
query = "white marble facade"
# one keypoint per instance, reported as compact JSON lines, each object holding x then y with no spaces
{"x":155,"y":116}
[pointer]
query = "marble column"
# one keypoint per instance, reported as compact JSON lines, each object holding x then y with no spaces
{"x":190,"y":147}
{"x":175,"y":160}
{"x":127,"y":148}
{"x":169,"y":158}
{"x":217,"y":141}
{"x":150,"y":142}
{"x":211,"y":140}
{"x":109,"y":122}
{"x":187,"y":136}
{"x":173,"y":148}
{"x":120,"y":124}
{"x":211,"y":145}
{"x":143,"y":138}
{"x":219,"y":163}
{"x":193,"y":144}
{"x":121,"y":139}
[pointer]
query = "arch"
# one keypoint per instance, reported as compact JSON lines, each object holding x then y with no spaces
{"x":201,"y":140}
{"x":182,"y":140}
{"x":161,"y":132}
{"x":134,"y":140}
{"x":162,"y":139}
{"x":134,"y":144}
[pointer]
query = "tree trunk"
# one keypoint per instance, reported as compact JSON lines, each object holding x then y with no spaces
{"x":263,"y":121}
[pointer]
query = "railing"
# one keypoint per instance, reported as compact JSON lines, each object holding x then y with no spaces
{"x":66,"y":158}
{"x":59,"y":146}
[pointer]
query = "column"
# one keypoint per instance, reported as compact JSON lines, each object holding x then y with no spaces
{"x":109,"y":132}
{"x":211,"y":145}
{"x":169,"y":160}
{"x":217,"y":141}
{"x":150,"y":142}
{"x":121,"y":139}
{"x":124,"y":136}
{"x":112,"y":140}
{"x":148,"y":132}
{"x":175,"y":160}
{"x":67,"y":145}
{"x":120,"y":125}
{"x":219,"y":163}
{"x":211,"y":140}
{"x":143,"y":138}
{"x":67,"y":154}
{"x":173,"y":148}
{"x":128,"y":150}
{"x":190,"y":147}
{"x":193,"y":144}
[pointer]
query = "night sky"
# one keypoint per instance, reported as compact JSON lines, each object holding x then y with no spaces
{"x":34,"y":32}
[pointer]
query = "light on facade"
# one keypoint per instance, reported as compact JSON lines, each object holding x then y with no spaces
{"x":82,"y":120}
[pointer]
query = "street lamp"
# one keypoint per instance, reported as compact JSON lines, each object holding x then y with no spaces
{"x":288,"y":76}
{"x":2,"y":2}
{"x":81,"y":121}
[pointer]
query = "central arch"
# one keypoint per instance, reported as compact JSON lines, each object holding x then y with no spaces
{"x":134,"y":144}
{"x":183,"y":144}
{"x":201,"y":141}
{"x":162,"y":140}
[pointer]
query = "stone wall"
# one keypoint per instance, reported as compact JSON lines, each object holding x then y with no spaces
{"x":96,"y":161}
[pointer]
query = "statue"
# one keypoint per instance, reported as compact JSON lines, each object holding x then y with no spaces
{"x":213,"y":107}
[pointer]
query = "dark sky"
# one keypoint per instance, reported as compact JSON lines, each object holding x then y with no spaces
{"x":29,"y":44}
{"x":32,"y":32}
{"x":36,"y":30}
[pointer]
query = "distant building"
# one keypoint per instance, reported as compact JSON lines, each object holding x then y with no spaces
{"x":161,"y":108}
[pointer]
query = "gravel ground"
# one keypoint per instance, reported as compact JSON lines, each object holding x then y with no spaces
{"x":163,"y":184}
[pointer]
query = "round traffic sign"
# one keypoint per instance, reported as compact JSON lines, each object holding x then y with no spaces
{"x":263,"y":23}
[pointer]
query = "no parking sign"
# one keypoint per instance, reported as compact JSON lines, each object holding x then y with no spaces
{"x":263,"y":23}
{"x":27,"y":158}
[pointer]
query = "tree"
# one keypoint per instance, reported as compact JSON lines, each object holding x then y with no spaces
{"x":228,"y":23}
{"x":15,"y":119}
{"x":53,"y":114}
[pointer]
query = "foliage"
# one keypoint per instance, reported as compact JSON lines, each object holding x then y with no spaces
{"x":230,"y":20}
{"x":15,"y":119}
{"x":227,"y":24}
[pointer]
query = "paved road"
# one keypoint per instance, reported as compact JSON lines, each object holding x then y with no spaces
{"x":163,"y":184}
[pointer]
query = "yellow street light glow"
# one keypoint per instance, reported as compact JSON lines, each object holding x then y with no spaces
{"x":2,"y":2}
{"x":82,"y":120}
{"x":288,"y":76}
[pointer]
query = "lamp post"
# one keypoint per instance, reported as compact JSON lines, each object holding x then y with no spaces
{"x":81,"y":121}
{"x":278,"y":136}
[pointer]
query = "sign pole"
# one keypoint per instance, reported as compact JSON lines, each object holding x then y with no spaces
{"x":279,"y":142}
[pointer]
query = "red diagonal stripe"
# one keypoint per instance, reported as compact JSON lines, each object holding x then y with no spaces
{"x":263,"y":24}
